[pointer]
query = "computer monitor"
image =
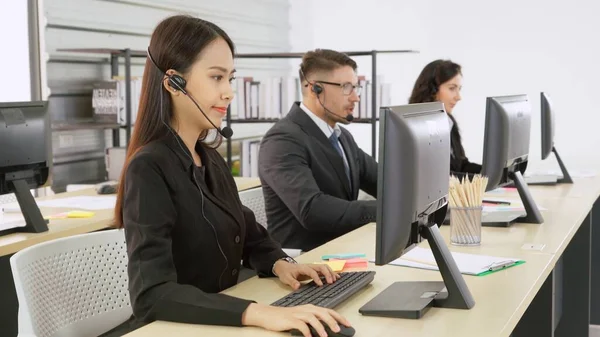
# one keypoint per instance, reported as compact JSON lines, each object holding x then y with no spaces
{"x":412,"y":197}
{"x":24,"y":159}
{"x":548,"y":127}
{"x":506,"y":148}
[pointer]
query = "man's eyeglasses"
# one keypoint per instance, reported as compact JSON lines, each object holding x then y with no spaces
{"x":347,"y":87}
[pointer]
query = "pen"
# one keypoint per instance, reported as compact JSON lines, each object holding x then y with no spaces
{"x":496,"y":202}
{"x":501,"y":265}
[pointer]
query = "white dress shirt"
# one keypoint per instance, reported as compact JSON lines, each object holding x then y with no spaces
{"x":327,"y":130}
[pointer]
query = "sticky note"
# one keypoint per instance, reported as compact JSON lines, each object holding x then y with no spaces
{"x":343,"y":256}
{"x":336,"y":265}
{"x":355,"y":263}
{"x":80,"y":214}
{"x":349,"y":261}
{"x":71,"y":214}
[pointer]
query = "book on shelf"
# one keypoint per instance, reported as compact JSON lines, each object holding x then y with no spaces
{"x":108,"y":100}
{"x":272,"y":97}
{"x":384,"y":98}
{"x":249,"y":157}
{"x":264,"y":98}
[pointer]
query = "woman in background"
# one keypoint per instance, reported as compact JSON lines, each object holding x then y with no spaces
{"x":441,"y":81}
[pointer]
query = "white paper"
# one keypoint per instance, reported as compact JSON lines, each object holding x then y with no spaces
{"x":9,"y":221}
{"x":558,"y":173}
{"x":468,"y":264}
{"x":82,"y":202}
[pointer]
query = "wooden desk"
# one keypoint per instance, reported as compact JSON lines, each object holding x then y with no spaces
{"x":102,"y":219}
{"x":582,"y":187}
{"x":246,"y":183}
{"x":585,"y":190}
{"x":502,"y":298}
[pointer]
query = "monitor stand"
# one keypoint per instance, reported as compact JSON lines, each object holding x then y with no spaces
{"x":34,"y":221}
{"x":533,"y":213}
{"x":566,"y":179}
{"x":551,"y":180}
{"x":414,"y":299}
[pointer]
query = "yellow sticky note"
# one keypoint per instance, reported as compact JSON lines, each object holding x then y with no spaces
{"x":335,"y":265}
{"x":70,"y":214}
{"x":80,"y":214}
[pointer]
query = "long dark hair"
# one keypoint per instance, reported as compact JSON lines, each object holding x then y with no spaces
{"x":432,"y":76}
{"x":176,"y":43}
{"x":427,"y":86}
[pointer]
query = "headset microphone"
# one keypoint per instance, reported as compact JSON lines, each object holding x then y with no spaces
{"x":178,"y":83}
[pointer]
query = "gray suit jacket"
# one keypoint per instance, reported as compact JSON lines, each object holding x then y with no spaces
{"x":308,"y":200}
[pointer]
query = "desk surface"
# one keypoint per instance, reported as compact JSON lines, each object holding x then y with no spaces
{"x":60,"y":228}
{"x":582,"y":187}
{"x":501,"y":298}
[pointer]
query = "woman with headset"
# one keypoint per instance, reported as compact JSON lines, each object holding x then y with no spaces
{"x":185,"y":227}
{"x":441,"y":81}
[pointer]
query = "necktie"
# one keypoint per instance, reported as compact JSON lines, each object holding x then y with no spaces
{"x":336,"y":144}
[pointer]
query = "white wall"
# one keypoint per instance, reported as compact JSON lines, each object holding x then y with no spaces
{"x":14,"y":32}
{"x":505,"y":48}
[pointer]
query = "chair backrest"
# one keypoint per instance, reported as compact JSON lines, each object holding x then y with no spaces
{"x":253,"y":199}
{"x":74,"y":286}
{"x":7,"y":198}
{"x":11,"y":197}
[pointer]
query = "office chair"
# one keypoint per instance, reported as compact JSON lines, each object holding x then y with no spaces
{"x":74,"y":286}
{"x":253,"y":199}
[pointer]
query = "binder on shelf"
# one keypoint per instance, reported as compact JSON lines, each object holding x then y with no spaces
{"x":109,"y":101}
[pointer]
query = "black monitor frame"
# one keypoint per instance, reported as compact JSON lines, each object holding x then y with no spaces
{"x":24,"y":158}
{"x":506,"y":149}
{"x":414,"y":173}
{"x":548,"y":125}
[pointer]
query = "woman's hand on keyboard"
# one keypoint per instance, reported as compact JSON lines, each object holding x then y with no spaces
{"x":291,"y":274}
{"x":285,"y":319}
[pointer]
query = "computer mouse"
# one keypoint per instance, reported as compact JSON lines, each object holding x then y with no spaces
{"x":106,"y":189}
{"x":345,"y":331}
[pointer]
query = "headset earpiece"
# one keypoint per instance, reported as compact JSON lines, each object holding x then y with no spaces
{"x":177,"y":82}
{"x":434,"y":89}
{"x":317,"y":88}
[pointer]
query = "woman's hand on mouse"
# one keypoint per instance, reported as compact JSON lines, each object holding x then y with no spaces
{"x":284,"y":319}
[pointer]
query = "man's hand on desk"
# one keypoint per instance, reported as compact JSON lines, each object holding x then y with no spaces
{"x":285,"y":319}
{"x":291,"y":274}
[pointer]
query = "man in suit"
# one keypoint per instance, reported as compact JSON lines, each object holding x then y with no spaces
{"x":311,"y":169}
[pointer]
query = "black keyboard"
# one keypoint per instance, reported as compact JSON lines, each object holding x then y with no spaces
{"x":328,"y":295}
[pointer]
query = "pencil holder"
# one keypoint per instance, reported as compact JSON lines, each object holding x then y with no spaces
{"x":465,"y":225}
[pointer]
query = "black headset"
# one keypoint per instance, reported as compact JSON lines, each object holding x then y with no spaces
{"x":177,"y":82}
{"x":317,"y":88}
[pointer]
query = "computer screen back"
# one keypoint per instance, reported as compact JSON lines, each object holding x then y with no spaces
{"x":25,"y":139}
{"x":548,"y":125}
{"x":413,"y":177}
{"x":507,"y":136}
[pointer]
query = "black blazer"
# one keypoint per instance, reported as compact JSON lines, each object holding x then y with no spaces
{"x":172,"y":223}
{"x":308,"y":200}
{"x":459,"y":163}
